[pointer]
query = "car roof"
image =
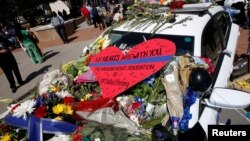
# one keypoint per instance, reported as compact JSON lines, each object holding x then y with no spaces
{"x":195,"y":22}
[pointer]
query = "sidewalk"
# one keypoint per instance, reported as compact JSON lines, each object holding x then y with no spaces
{"x":242,"y":42}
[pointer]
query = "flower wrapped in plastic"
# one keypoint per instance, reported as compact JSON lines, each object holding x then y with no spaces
{"x":101,"y":43}
{"x":145,"y":103}
{"x":54,"y":81}
{"x":70,"y":69}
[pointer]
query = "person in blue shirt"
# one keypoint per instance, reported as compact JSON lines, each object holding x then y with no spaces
{"x":58,"y":23}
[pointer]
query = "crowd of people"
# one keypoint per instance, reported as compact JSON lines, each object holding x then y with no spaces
{"x":103,"y":18}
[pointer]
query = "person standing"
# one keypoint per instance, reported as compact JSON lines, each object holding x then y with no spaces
{"x":112,"y":7}
{"x":241,"y":18}
{"x":85,"y":13}
{"x":97,"y":19}
{"x":8,"y":63}
{"x":90,"y":13}
{"x":117,"y":16}
{"x":65,"y":15}
{"x":108,"y":19}
{"x":31,"y":47}
{"x":58,"y":23}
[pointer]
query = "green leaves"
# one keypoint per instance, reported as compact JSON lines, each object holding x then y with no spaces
{"x":81,"y":90}
{"x":156,"y":94}
{"x":93,"y":130}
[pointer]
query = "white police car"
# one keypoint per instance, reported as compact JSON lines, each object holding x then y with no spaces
{"x":200,"y":30}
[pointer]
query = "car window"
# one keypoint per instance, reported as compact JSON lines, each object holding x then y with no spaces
{"x":224,"y":23}
{"x":211,"y":42}
{"x":184,"y":44}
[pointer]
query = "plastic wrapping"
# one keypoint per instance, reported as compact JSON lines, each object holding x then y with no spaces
{"x":174,"y":93}
{"x":186,"y":64}
{"x":51,"y":78}
{"x":86,"y":77}
{"x":105,"y":111}
{"x":109,"y":117}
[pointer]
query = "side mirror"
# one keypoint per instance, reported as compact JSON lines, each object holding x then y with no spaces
{"x":228,"y":99}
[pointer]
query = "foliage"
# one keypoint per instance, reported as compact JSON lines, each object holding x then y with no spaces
{"x":93,"y":131}
{"x":85,"y":91}
{"x":10,"y":9}
{"x":7,"y":10}
{"x":155,"y":94}
{"x":11,"y":133}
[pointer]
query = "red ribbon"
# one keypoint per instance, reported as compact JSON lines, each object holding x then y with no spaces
{"x":93,"y":105}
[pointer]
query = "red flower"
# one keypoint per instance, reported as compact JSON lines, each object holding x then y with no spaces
{"x":136,"y":105}
{"x":176,"y":4}
{"x":4,"y":129}
{"x":68,"y":100}
{"x":211,"y":68}
{"x":44,"y":95}
{"x":14,"y":107}
{"x":77,"y":137}
{"x":78,"y":129}
{"x":40,"y":112}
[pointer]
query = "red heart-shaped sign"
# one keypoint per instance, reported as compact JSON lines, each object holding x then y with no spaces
{"x":116,"y":71}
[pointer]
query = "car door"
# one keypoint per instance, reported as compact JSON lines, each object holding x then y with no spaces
{"x":230,"y":34}
{"x":219,"y":43}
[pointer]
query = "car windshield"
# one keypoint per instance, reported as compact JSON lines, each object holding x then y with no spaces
{"x":121,"y":39}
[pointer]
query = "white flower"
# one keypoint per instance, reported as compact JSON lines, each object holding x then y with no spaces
{"x":10,"y":108}
{"x":52,"y":78}
{"x":63,"y":94}
{"x":27,"y":107}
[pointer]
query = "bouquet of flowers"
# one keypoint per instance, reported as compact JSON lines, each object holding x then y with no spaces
{"x":52,"y":108}
{"x":145,"y":103}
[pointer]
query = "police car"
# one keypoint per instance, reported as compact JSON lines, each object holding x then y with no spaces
{"x":201,"y":30}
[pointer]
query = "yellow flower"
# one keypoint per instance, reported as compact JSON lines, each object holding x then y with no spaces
{"x":99,"y":43}
{"x":55,"y":88}
{"x":86,"y":97}
{"x":58,"y":108}
{"x":100,"y":40}
{"x":68,"y":110}
{"x":6,"y":137}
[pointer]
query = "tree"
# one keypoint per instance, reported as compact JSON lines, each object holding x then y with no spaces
{"x":10,"y":9}
{"x":7,"y":10}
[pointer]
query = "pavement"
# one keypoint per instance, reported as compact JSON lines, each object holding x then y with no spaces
{"x":55,"y":53}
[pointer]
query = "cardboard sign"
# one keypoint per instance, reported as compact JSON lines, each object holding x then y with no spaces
{"x":116,"y":71}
